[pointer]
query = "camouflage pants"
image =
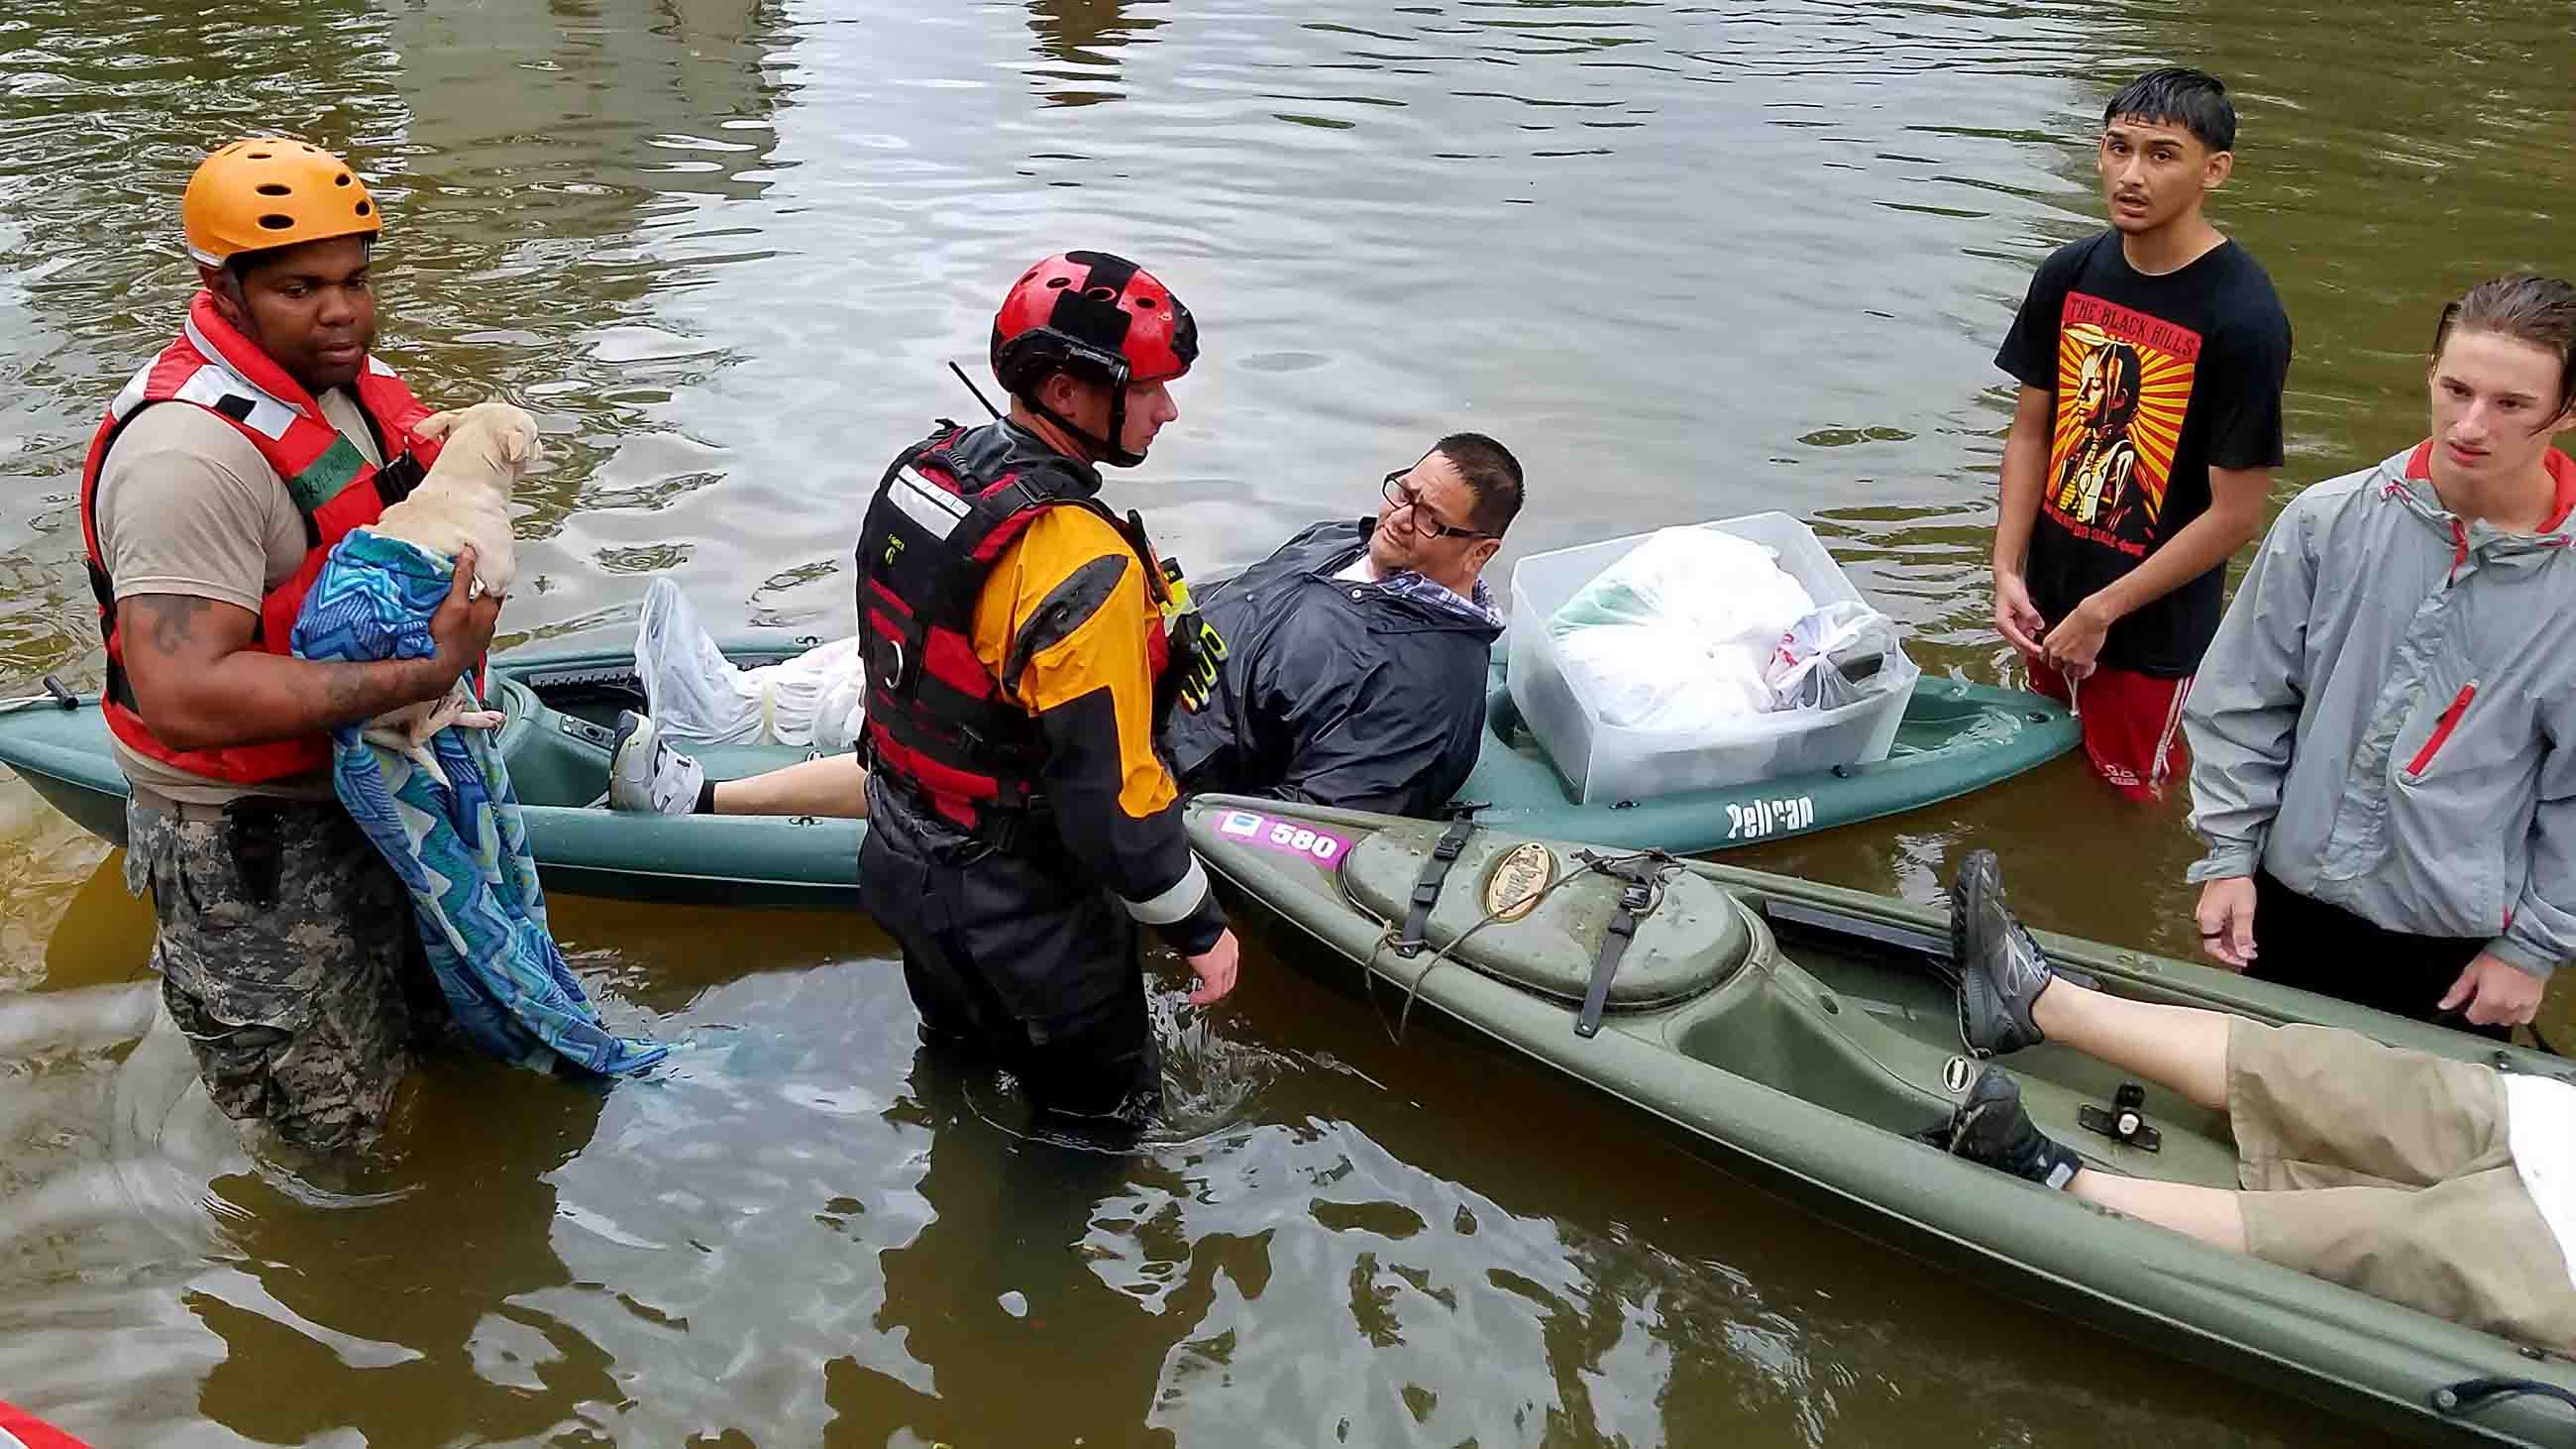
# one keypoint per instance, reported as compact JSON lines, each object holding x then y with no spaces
{"x":288,"y":959}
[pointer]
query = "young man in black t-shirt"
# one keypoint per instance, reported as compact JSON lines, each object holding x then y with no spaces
{"x":2151,"y":359}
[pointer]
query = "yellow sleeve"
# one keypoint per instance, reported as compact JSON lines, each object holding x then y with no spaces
{"x":1062,"y":622}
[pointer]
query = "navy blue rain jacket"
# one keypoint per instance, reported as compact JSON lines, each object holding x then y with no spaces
{"x":1334,"y":692}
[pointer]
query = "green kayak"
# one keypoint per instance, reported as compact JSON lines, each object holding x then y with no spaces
{"x":561,"y":705}
{"x":1804,"y":1034}
{"x":1955,"y":737}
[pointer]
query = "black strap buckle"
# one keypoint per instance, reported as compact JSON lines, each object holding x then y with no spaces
{"x":1636,"y":902}
{"x":1435,"y":873}
{"x":1614,"y":945}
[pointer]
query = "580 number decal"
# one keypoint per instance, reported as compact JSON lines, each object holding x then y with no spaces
{"x":1770,"y":817}
{"x":1298,"y":840}
{"x":1322,"y":847}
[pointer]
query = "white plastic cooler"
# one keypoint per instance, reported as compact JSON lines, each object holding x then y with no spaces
{"x":1608,"y":763}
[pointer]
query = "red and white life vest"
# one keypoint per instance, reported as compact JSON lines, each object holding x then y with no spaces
{"x":334,"y":487}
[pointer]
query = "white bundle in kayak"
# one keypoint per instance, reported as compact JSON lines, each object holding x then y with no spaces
{"x":696,"y":695}
{"x":1674,"y":637}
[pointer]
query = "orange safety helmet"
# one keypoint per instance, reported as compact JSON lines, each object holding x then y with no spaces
{"x":272,"y":191}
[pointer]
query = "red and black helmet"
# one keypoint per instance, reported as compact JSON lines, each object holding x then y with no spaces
{"x":1096,"y":315}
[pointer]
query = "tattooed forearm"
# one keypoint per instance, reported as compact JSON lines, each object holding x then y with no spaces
{"x":345,"y":690}
{"x":351,"y":692}
{"x":201,"y":680}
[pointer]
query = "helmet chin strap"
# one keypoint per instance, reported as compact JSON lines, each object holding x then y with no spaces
{"x":1103,"y":450}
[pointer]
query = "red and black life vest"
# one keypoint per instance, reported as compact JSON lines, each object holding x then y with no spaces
{"x":942,"y":518}
{"x":332,"y":484}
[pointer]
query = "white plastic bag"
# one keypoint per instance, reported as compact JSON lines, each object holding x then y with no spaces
{"x":698,"y":696}
{"x":1837,"y":655}
{"x":1672,"y":638}
{"x":1660,"y":678}
{"x":1708,"y":583}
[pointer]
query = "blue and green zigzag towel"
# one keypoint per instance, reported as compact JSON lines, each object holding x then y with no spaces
{"x":462,"y":850}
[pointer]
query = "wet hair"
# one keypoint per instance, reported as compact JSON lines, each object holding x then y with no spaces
{"x":1491,"y":473}
{"x":2177,"y":95}
{"x":2121,"y":370}
{"x":2534,"y":309}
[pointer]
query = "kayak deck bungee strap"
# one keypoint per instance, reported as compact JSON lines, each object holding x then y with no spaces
{"x":1656,"y":865}
{"x":1435,"y":874}
{"x":1640,"y":892}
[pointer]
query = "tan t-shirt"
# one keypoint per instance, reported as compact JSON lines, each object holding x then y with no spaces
{"x":186,"y":505}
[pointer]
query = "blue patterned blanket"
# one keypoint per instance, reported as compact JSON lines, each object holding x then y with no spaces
{"x":461,"y":848}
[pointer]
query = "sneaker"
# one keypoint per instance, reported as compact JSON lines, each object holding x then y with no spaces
{"x":1993,"y":1128}
{"x":646,"y":774}
{"x":2001,"y":969}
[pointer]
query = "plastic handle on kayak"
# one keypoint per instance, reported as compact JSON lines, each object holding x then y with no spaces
{"x":2470,"y":1395}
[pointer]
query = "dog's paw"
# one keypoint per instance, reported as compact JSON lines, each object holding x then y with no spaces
{"x":480,"y":719}
{"x":436,"y":425}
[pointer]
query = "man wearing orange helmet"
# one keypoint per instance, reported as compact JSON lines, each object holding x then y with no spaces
{"x":1021,"y":643}
{"x":285,"y":946}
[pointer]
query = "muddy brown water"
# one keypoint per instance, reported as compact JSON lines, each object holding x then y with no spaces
{"x":1689,"y":260}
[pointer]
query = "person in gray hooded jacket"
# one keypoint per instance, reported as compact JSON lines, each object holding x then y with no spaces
{"x":2384,"y":731}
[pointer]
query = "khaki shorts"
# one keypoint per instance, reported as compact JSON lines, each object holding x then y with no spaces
{"x":2389,"y":1171}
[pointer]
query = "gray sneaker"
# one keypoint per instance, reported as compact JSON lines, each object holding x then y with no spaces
{"x":646,"y":774}
{"x":1992,"y":1127}
{"x":2001,"y":969}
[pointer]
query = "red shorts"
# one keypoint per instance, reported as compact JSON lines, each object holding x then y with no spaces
{"x":2132,"y":724}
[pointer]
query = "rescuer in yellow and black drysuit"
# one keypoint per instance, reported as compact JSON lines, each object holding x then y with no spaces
{"x":1021,"y":643}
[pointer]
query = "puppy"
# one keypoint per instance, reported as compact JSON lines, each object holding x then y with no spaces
{"x":464,"y":501}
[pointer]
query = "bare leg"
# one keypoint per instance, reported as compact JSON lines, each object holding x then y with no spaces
{"x":2210,"y":1214}
{"x":2182,"y":1048}
{"x":835,"y":787}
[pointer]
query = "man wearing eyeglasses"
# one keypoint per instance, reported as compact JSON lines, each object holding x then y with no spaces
{"x":1355,"y":660}
{"x":1356,"y":654}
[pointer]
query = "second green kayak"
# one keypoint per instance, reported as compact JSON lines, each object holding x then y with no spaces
{"x":1807,"y":1036}
{"x":563,"y":703}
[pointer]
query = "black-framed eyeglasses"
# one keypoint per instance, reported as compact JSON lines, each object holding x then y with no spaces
{"x":1425,"y":522}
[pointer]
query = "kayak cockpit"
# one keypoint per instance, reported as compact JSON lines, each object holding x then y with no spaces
{"x":558,"y":736}
{"x":1849,"y":1019}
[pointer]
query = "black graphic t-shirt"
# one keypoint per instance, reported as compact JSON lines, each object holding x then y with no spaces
{"x":2158,"y":380}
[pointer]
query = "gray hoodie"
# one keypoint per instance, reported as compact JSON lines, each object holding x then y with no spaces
{"x":2387,"y":718}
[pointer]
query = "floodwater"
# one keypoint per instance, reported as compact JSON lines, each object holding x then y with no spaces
{"x":1688,"y":260}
